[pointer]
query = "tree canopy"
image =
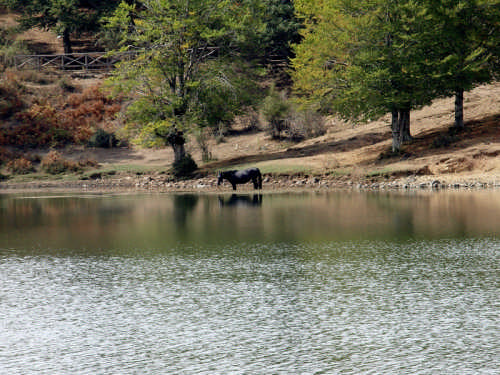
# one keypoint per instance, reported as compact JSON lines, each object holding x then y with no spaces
{"x":363,"y":59}
{"x":184,"y":73}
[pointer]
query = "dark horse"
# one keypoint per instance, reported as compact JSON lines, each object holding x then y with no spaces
{"x":242,"y":177}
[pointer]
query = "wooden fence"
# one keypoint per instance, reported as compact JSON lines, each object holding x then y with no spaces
{"x":74,"y":61}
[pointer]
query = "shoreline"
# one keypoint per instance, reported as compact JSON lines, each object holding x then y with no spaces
{"x":271,"y":183}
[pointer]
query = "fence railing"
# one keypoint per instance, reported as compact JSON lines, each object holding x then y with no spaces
{"x":73,"y":61}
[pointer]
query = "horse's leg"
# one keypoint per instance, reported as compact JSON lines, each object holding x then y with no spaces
{"x":255,"y":183}
{"x":234,"y":185}
{"x":259,"y":179}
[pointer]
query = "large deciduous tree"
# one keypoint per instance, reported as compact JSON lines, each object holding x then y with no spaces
{"x":181,"y":76}
{"x":363,"y":59}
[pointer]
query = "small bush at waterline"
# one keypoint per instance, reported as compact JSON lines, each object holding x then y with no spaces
{"x":184,"y":167}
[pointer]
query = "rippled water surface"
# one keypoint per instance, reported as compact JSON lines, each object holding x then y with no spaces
{"x":338,"y":283}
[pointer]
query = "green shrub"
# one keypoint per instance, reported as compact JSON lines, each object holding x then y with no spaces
{"x":101,"y":138}
{"x":184,"y":167}
{"x":283,"y":120}
{"x":275,"y":109}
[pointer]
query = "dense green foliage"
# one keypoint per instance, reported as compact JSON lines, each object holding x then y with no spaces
{"x":102,"y":138}
{"x":186,"y":72}
{"x":363,"y":59}
{"x":275,"y":108}
{"x":279,"y":30}
{"x":184,"y":167}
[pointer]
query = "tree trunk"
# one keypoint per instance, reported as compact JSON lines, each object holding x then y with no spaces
{"x":404,"y":129}
{"x":179,"y":152}
{"x":459,"y":109}
{"x":396,"y":141}
{"x":176,"y":139}
{"x":202,"y":136}
{"x":400,"y":127}
{"x":67,"y":42}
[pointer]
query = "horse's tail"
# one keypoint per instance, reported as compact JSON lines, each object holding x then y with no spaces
{"x":259,"y":179}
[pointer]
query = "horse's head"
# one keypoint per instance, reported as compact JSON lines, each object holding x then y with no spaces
{"x":220,"y":177}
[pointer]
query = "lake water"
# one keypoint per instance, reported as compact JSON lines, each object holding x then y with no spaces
{"x":298,"y":283}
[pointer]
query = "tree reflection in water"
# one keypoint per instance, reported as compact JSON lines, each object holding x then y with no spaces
{"x":184,"y":204}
